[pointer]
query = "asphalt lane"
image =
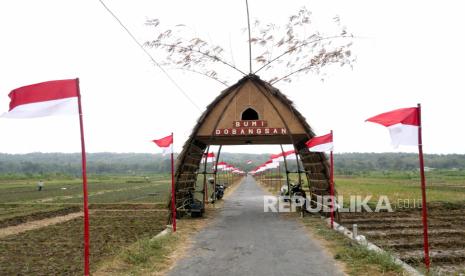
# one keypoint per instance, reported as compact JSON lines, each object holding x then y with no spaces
{"x":244,"y":240}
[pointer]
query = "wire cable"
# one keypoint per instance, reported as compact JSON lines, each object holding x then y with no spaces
{"x":149,"y":55}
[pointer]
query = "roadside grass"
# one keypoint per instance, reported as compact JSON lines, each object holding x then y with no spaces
{"x":150,"y":256}
{"x":357,"y":259}
{"x":147,"y":249}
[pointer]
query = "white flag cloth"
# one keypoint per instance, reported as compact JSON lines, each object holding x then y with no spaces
{"x":402,"y":123}
{"x":59,"y":97}
{"x":321,"y":143}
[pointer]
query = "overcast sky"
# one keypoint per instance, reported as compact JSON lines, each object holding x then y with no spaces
{"x":408,"y":52}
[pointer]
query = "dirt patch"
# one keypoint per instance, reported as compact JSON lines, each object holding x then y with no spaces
{"x":14,"y":230}
{"x":37,"y":216}
{"x":58,"y":249}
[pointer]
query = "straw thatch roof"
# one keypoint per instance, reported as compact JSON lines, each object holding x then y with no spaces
{"x":315,"y":165}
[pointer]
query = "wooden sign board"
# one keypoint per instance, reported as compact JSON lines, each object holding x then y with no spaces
{"x":250,"y":127}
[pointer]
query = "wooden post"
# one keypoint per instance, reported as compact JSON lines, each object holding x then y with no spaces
{"x":84,"y":187}
{"x":287,"y":171}
{"x":423,"y":191}
{"x":173,"y":189}
{"x":331,"y":186}
{"x":205,"y":194}
{"x":215,"y":172}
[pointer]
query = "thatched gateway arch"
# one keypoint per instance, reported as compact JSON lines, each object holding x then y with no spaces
{"x":250,"y":112}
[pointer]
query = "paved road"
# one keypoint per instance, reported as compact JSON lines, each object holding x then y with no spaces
{"x":243,"y":240}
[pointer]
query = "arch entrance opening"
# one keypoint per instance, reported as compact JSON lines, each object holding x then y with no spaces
{"x":249,"y":112}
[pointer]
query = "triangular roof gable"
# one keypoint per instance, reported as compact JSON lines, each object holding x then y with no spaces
{"x":275,"y":109}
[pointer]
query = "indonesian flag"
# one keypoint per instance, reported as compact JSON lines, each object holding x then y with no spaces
{"x":290,"y":155}
{"x":249,"y":162}
{"x":49,"y":98}
{"x":277,"y":157}
{"x":166,"y":144}
{"x":272,"y":165}
{"x":221,"y":165}
{"x":402,"y":123}
{"x":321,"y":143}
{"x":210,"y":157}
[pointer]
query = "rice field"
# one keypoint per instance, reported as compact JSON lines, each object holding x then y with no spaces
{"x":123,"y":209}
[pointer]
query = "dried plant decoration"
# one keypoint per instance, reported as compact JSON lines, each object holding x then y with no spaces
{"x":284,"y":52}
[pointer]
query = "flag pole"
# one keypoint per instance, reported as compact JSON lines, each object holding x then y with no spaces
{"x":331,"y":185}
{"x":423,"y":191}
{"x":84,"y":187}
{"x":173,"y":190}
{"x":205,"y":177}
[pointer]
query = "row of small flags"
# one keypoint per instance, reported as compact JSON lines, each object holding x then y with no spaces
{"x":316,"y":144}
{"x":228,"y":168}
{"x":63,"y":97}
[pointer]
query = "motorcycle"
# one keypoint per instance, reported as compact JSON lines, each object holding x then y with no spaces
{"x":191,"y":205}
{"x":219,"y":190}
{"x":296,"y":191}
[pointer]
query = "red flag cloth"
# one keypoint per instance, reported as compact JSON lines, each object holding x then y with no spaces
{"x":210,"y":157}
{"x":44,"y":99}
{"x":221,"y":165}
{"x":402,"y":123}
{"x":406,"y":116}
{"x":321,"y":143}
{"x":165,"y":143}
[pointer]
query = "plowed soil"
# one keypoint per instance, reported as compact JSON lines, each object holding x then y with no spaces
{"x":401,"y":232}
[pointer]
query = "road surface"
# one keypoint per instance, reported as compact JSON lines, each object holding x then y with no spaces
{"x":244,"y":240}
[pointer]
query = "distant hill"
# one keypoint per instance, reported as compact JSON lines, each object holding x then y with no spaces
{"x":144,"y":163}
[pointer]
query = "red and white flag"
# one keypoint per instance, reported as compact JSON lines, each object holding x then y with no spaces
{"x":402,"y":123}
{"x":321,"y":143}
{"x":221,"y":165}
{"x":277,"y":157}
{"x":210,"y":157}
{"x":49,"y":98}
{"x":290,"y":155}
{"x":166,"y":144}
{"x":272,"y":165}
{"x":249,"y":162}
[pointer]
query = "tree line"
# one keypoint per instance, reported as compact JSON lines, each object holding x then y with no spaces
{"x":144,"y":163}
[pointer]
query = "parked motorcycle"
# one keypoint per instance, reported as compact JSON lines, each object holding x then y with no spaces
{"x":296,"y":191}
{"x":219,"y":190}
{"x":191,"y":205}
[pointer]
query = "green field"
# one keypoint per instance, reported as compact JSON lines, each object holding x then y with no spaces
{"x":441,"y":186}
{"x":21,"y":197}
